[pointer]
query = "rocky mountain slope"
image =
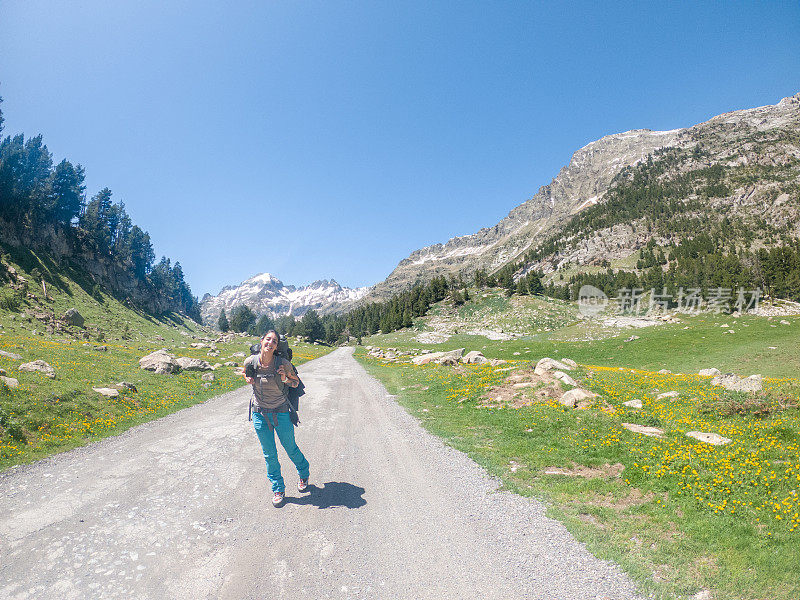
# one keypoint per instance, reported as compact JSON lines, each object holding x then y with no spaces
{"x":757,"y":149}
{"x":266,"y":294}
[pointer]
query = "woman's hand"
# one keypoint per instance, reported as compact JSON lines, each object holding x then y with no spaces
{"x":287,"y":376}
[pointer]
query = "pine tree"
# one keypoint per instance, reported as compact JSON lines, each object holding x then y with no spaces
{"x":222,"y":322}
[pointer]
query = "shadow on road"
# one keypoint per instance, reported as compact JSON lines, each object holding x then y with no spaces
{"x":331,"y":495}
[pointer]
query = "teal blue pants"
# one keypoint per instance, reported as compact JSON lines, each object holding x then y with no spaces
{"x":285,"y":431}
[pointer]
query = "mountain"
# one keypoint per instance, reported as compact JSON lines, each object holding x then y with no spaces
{"x":266,"y":294}
{"x":739,"y":170}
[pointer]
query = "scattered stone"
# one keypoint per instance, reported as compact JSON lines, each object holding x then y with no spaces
{"x":109,"y":392}
{"x":160,"y":361}
{"x":708,"y":438}
{"x":665,"y":372}
{"x":238,"y":355}
{"x":124,"y":385}
{"x":101,"y":348}
{"x":475,"y":357}
{"x":193,"y":364}
{"x":564,"y":378}
{"x":635,"y":403}
{"x":633,"y":337}
{"x":73,"y":317}
{"x":10,"y":382}
{"x":199,"y":345}
{"x":38,"y":365}
{"x":230,"y":363}
{"x":785,"y":322}
{"x":547,"y":364}
{"x":570,"y":362}
{"x":667,"y":395}
{"x":733,"y":382}
{"x":702,"y":595}
{"x":10,"y":355}
{"x":496,"y":362}
{"x":573,"y":397}
{"x":438,"y":357}
{"x":208,"y":377}
{"x":651,"y":431}
{"x":712,"y":372}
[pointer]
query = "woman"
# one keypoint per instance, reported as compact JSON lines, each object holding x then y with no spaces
{"x":271,"y":412}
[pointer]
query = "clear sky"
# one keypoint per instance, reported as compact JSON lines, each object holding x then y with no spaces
{"x":331,"y":139}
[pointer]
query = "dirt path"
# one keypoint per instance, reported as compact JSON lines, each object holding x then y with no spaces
{"x":180,"y":508}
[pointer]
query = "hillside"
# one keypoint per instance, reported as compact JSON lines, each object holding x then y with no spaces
{"x":739,"y":170}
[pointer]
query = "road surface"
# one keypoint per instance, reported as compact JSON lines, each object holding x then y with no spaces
{"x":181,"y":508}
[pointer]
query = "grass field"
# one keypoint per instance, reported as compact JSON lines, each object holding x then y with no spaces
{"x":679,"y":515}
{"x":44,"y":416}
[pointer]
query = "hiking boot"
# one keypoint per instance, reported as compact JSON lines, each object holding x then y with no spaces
{"x":302,"y":485}
{"x":278,"y":498}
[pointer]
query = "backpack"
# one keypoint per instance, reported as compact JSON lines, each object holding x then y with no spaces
{"x":292,"y":394}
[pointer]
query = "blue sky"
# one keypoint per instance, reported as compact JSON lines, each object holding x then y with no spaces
{"x":331,"y":139}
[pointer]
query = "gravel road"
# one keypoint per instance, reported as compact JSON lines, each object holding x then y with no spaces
{"x":180,"y":508}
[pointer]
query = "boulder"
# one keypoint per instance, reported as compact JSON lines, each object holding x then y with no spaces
{"x":564,"y":378}
{"x":635,"y":403}
{"x":573,"y":397}
{"x":160,"y":361}
{"x":570,"y":362}
{"x":438,"y":356}
{"x":651,"y":431}
{"x":208,"y":377}
{"x":193,"y":364}
{"x":733,"y":382}
{"x":548,"y":364}
{"x":448,"y":361}
{"x":708,"y":438}
{"x":38,"y":365}
{"x":108,"y":392}
{"x":666,"y":395}
{"x":73,"y":317}
{"x":10,"y":382}
{"x":712,"y":372}
{"x":10,"y":355}
{"x":475,"y":357}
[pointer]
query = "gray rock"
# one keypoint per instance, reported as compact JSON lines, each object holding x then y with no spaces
{"x":564,"y":378}
{"x":733,"y":382}
{"x":474,"y":357}
{"x":667,"y":395}
{"x":665,"y":372}
{"x":160,"y":361}
{"x":40,"y":366}
{"x":635,"y":403}
{"x":208,"y":377}
{"x":438,"y":356}
{"x":10,"y":382}
{"x":573,"y":397}
{"x":124,"y":385}
{"x":108,"y":392}
{"x":547,"y":364}
{"x":10,"y":355}
{"x":73,"y":317}
{"x":712,"y":372}
{"x":193,"y":364}
{"x":708,"y":438}
{"x":651,"y":431}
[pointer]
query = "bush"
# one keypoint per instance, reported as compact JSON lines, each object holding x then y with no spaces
{"x":9,"y":300}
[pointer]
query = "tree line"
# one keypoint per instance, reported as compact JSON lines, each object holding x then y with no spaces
{"x":37,"y":196}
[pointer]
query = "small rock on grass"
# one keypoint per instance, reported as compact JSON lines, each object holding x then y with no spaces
{"x":10,"y":382}
{"x":40,"y":366}
{"x":10,"y":355}
{"x":635,"y":403}
{"x":667,"y":395}
{"x":712,"y":372}
{"x":651,"y":431}
{"x":108,"y":392}
{"x":708,"y":438}
{"x":572,"y":398}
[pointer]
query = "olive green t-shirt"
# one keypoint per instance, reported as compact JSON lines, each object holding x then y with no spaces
{"x":268,"y":387}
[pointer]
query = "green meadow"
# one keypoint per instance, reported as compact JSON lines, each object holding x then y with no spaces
{"x":679,"y":515}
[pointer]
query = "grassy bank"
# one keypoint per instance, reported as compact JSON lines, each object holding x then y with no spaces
{"x":680,"y":516}
{"x":43,"y":416}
